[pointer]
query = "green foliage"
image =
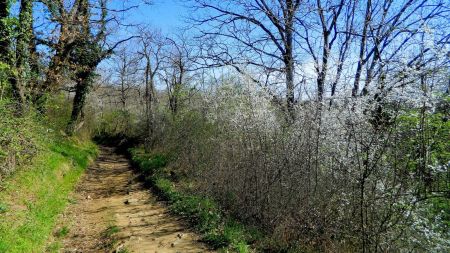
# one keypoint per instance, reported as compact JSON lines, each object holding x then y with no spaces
{"x":73,"y":153}
{"x":219,"y":230}
{"x":3,"y":208}
{"x":148,"y":163}
{"x":110,"y":231}
{"x":86,"y":53}
{"x":10,"y":25}
{"x":435,"y":127}
{"x":62,"y":232}
{"x":4,"y":74}
{"x":115,"y":123}
{"x":39,"y":167}
{"x":424,"y":141}
{"x":230,"y":234}
{"x":440,"y":207}
{"x":58,"y":109}
{"x":20,"y":137}
{"x":37,"y":195}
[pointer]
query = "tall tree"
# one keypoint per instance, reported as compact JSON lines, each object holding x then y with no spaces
{"x":89,"y":49}
{"x":5,"y":46}
{"x":23,"y":50}
{"x":264,"y":34}
{"x":79,"y":48}
{"x":388,"y":29}
{"x":66,"y":18}
{"x":126,"y":67}
{"x":151,"y":50}
{"x":84,"y":58}
{"x":5,"y":32}
{"x":174,"y":72}
{"x":329,"y":17}
{"x":6,"y":53}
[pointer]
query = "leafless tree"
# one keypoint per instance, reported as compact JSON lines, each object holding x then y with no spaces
{"x":263,"y":35}
{"x":152,"y":43}
{"x":388,"y":28}
{"x":174,"y":71}
{"x":126,"y":69}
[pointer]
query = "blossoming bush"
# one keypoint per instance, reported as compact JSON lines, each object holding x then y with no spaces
{"x":356,"y":173}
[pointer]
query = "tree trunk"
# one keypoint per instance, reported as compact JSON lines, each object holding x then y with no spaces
{"x":5,"y":42}
{"x":289,"y":60}
{"x":362,"y":48}
{"x":6,"y":53}
{"x":56,"y":66}
{"x":148,"y":103}
{"x":290,"y":96}
{"x":23,"y":49}
{"x":323,"y":71}
{"x":81,"y":90}
{"x":123,"y":97}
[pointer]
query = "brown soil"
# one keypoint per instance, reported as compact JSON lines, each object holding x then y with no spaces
{"x":110,"y":196}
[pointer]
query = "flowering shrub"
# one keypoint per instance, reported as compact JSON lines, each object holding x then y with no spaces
{"x":357,"y":174}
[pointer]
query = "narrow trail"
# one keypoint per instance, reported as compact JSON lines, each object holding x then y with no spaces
{"x":110,"y":200}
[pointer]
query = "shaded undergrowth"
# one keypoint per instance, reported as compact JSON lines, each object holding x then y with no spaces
{"x":218,"y":229}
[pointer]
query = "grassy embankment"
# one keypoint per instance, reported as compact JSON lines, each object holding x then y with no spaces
{"x":36,"y":191}
{"x":32,"y":199}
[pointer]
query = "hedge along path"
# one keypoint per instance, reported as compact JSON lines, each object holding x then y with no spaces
{"x":113,"y":212}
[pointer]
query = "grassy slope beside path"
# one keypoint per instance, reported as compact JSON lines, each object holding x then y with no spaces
{"x":32,"y":198}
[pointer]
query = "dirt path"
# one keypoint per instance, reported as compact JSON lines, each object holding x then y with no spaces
{"x":112,"y":211}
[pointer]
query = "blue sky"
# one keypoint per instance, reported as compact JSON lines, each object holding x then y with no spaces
{"x":167,"y":15}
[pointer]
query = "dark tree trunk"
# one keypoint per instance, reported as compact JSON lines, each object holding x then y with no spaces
{"x":23,"y":50}
{"x":81,"y":90}
{"x":35,"y":70}
{"x":289,"y":59}
{"x":323,"y":72}
{"x":362,"y":48}
{"x":25,"y":33}
{"x":5,"y":53}
{"x":290,"y":96}
{"x":148,"y":103}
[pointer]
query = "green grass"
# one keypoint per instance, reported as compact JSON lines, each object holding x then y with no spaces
{"x":62,"y":232}
{"x":219,"y":230}
{"x":149,"y":164}
{"x":111,"y":231}
{"x":34,"y":196}
{"x":109,"y":237}
{"x":123,"y":251}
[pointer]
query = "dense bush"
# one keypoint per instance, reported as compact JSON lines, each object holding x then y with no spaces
{"x":353,"y":175}
{"x":19,"y":137}
{"x":116,"y":122}
{"x":218,"y":229}
{"x":23,"y":135}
